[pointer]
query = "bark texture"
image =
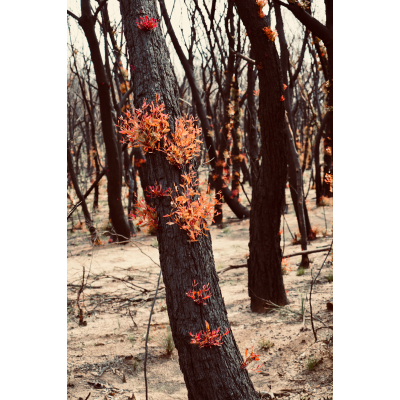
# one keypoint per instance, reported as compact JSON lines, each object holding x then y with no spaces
{"x":210,"y":373}
{"x":264,"y":264}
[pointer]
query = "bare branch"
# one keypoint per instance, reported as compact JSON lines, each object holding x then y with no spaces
{"x":71,"y":14}
{"x":98,"y":9}
{"x":243,"y":56}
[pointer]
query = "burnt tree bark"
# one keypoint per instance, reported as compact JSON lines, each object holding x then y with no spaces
{"x":264,"y":263}
{"x":114,"y":170}
{"x":210,"y":373}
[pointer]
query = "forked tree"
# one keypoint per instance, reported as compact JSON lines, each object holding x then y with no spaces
{"x":215,"y":372}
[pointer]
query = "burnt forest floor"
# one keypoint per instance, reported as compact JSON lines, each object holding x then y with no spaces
{"x":105,"y":356}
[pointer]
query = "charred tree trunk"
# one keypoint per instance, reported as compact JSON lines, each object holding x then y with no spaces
{"x":212,"y":373}
{"x":268,"y":200}
{"x":114,"y":171}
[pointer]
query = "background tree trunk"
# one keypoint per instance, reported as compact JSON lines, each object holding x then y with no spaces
{"x":268,"y":200}
{"x":114,"y":171}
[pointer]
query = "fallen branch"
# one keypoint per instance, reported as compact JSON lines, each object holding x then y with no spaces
{"x":88,"y":287}
{"x":300,"y":253}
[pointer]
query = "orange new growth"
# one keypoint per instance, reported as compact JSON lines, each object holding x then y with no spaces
{"x":191,"y":209}
{"x":157,"y":191}
{"x":145,"y":129}
{"x":272,"y":35}
{"x":145,"y":214}
{"x":185,"y":143}
{"x":261,"y":4}
{"x":249,"y":359}
{"x":208,"y":338}
{"x":199,"y":296}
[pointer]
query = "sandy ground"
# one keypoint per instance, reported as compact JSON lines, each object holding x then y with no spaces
{"x":105,"y":357}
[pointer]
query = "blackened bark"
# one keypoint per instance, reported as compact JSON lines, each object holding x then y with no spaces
{"x":212,"y":373}
{"x":264,"y":264}
{"x":114,"y":171}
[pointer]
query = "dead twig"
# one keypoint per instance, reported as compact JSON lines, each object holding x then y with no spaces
{"x":147,"y":336}
{"x":300,"y":253}
{"x":311,"y":288}
{"x":134,"y":323}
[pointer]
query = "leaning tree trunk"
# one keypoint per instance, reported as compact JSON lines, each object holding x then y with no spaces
{"x":264,"y":264}
{"x":114,"y":170}
{"x":210,"y":373}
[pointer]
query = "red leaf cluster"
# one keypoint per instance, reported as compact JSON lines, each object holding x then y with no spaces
{"x":146,"y":23}
{"x":201,"y":295}
{"x":208,"y":338}
{"x":146,"y":215}
{"x":157,"y":191}
{"x":248,"y":359}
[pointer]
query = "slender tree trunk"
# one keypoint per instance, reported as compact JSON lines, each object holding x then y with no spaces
{"x":129,"y":180}
{"x":235,"y":153}
{"x":298,"y":176}
{"x":252,"y":127}
{"x":268,"y":200}
{"x":114,"y":172}
{"x":295,"y":190}
{"x":318,"y":183}
{"x":211,"y":373}
{"x":78,"y":192}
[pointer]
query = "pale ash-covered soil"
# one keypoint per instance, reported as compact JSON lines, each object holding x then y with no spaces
{"x":105,"y":357}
